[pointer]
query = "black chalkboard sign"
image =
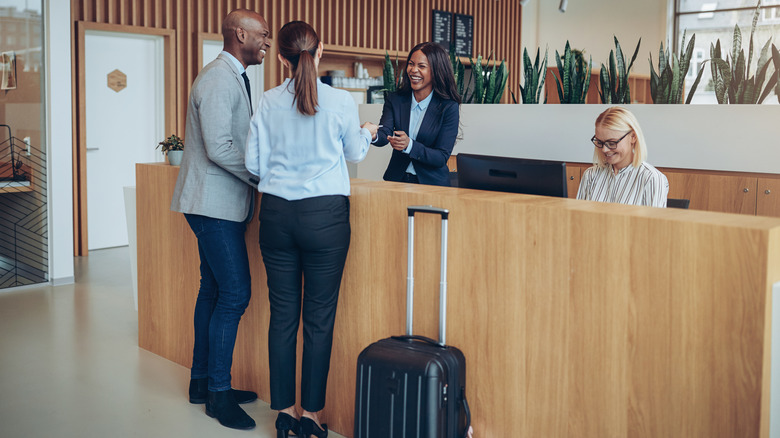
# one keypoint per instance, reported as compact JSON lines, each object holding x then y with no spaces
{"x":442,"y":28}
{"x":464,"y":35}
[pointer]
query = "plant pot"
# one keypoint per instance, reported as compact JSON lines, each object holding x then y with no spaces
{"x":174,"y":157}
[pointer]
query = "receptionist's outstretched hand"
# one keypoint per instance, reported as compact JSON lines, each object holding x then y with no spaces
{"x":399,"y":141}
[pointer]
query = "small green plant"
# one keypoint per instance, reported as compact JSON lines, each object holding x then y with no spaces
{"x":573,"y":78}
{"x":392,"y":81}
{"x":172,"y":143}
{"x":614,"y":79}
{"x":733,"y":82}
{"x":459,"y":70}
{"x":501,"y":76}
{"x":667,"y":85}
{"x":534,"y":75}
{"x":776,"y":59}
{"x":489,"y":83}
{"x":479,"y":80}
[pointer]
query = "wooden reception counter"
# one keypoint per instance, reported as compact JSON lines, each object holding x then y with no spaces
{"x":577,"y":319}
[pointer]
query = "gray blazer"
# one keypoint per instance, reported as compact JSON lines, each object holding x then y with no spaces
{"x":213,"y":180}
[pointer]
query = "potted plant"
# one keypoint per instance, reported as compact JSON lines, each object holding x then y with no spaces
{"x":666,"y":86}
{"x":173,"y":148}
{"x":614,"y":79}
{"x":489,"y":83}
{"x":731,"y":75}
{"x":776,"y":60}
{"x":534,"y":78}
{"x":574,"y":76}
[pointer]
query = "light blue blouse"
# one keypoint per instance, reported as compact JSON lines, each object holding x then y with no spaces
{"x":416,"y":115}
{"x":298,"y":156}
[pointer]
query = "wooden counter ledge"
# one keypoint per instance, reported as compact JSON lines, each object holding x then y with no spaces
{"x":577,"y":319}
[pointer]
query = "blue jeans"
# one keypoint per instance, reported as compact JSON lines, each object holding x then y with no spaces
{"x":225,"y":289}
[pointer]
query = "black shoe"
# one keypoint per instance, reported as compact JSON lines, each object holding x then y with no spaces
{"x":222,"y":405}
{"x":309,"y":428}
{"x":199,"y":392}
{"x":287,"y":424}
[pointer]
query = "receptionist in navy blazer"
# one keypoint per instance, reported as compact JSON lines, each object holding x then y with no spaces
{"x":421,"y":120}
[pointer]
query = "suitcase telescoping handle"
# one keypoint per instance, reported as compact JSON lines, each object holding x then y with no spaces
{"x":443,"y":276}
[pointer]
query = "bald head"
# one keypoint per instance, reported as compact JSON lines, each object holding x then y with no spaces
{"x":246,"y":36}
{"x":239,"y":18}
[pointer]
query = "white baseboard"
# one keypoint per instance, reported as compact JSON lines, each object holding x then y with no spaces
{"x":62,"y":281}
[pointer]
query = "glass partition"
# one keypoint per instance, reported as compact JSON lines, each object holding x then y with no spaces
{"x":24,"y":257}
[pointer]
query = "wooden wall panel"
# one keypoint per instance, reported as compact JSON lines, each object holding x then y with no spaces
{"x":352,"y":24}
{"x":351,"y":29}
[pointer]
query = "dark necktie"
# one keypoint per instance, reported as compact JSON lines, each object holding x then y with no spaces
{"x":246,"y":83}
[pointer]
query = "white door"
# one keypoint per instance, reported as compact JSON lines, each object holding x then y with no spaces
{"x":124,"y":124}
{"x":211,"y":50}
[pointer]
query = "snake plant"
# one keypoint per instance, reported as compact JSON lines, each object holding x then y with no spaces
{"x":485,"y":81}
{"x":776,"y":59}
{"x":572,"y":80}
{"x":534,"y":77}
{"x":495,"y":82}
{"x":731,"y":76}
{"x":614,"y":79}
{"x":489,"y":83}
{"x":479,"y":80}
{"x":666,"y":86}
{"x":459,"y":70}
{"x":391,"y":83}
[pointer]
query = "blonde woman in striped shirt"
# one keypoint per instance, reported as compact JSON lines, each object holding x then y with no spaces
{"x":620,"y":173}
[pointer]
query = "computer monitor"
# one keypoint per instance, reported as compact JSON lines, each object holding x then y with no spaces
{"x":516,"y":175}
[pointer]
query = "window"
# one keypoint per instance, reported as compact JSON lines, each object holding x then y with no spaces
{"x":24,"y":231}
{"x":706,"y":10}
{"x":699,"y":55}
{"x":770,"y":14}
{"x":714,"y":21}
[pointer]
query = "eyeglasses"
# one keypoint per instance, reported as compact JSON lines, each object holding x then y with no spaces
{"x":610,"y":144}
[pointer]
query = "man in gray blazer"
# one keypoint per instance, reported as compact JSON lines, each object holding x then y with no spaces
{"x":216,"y":192}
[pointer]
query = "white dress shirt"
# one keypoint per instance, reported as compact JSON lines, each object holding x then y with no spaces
{"x":298,"y":156}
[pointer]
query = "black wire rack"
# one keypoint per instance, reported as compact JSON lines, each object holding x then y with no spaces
{"x":24,"y":248}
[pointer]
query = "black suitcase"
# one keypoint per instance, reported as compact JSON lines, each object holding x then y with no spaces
{"x":412,"y":386}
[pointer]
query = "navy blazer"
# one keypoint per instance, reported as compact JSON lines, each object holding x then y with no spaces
{"x":435,"y":138}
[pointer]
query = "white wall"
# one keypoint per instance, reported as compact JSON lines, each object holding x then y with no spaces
{"x":59,"y":139}
{"x":739,"y":138}
{"x":589,"y":25}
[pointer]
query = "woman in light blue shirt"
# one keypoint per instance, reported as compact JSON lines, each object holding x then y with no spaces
{"x":299,"y":141}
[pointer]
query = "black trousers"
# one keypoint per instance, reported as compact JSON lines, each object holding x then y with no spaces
{"x":304,"y":246}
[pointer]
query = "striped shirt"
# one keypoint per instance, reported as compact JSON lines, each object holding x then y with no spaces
{"x":643,"y":185}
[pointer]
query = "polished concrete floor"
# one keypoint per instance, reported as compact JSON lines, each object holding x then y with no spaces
{"x":71,"y":366}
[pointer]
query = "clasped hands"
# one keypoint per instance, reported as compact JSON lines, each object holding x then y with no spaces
{"x":399,"y":140}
